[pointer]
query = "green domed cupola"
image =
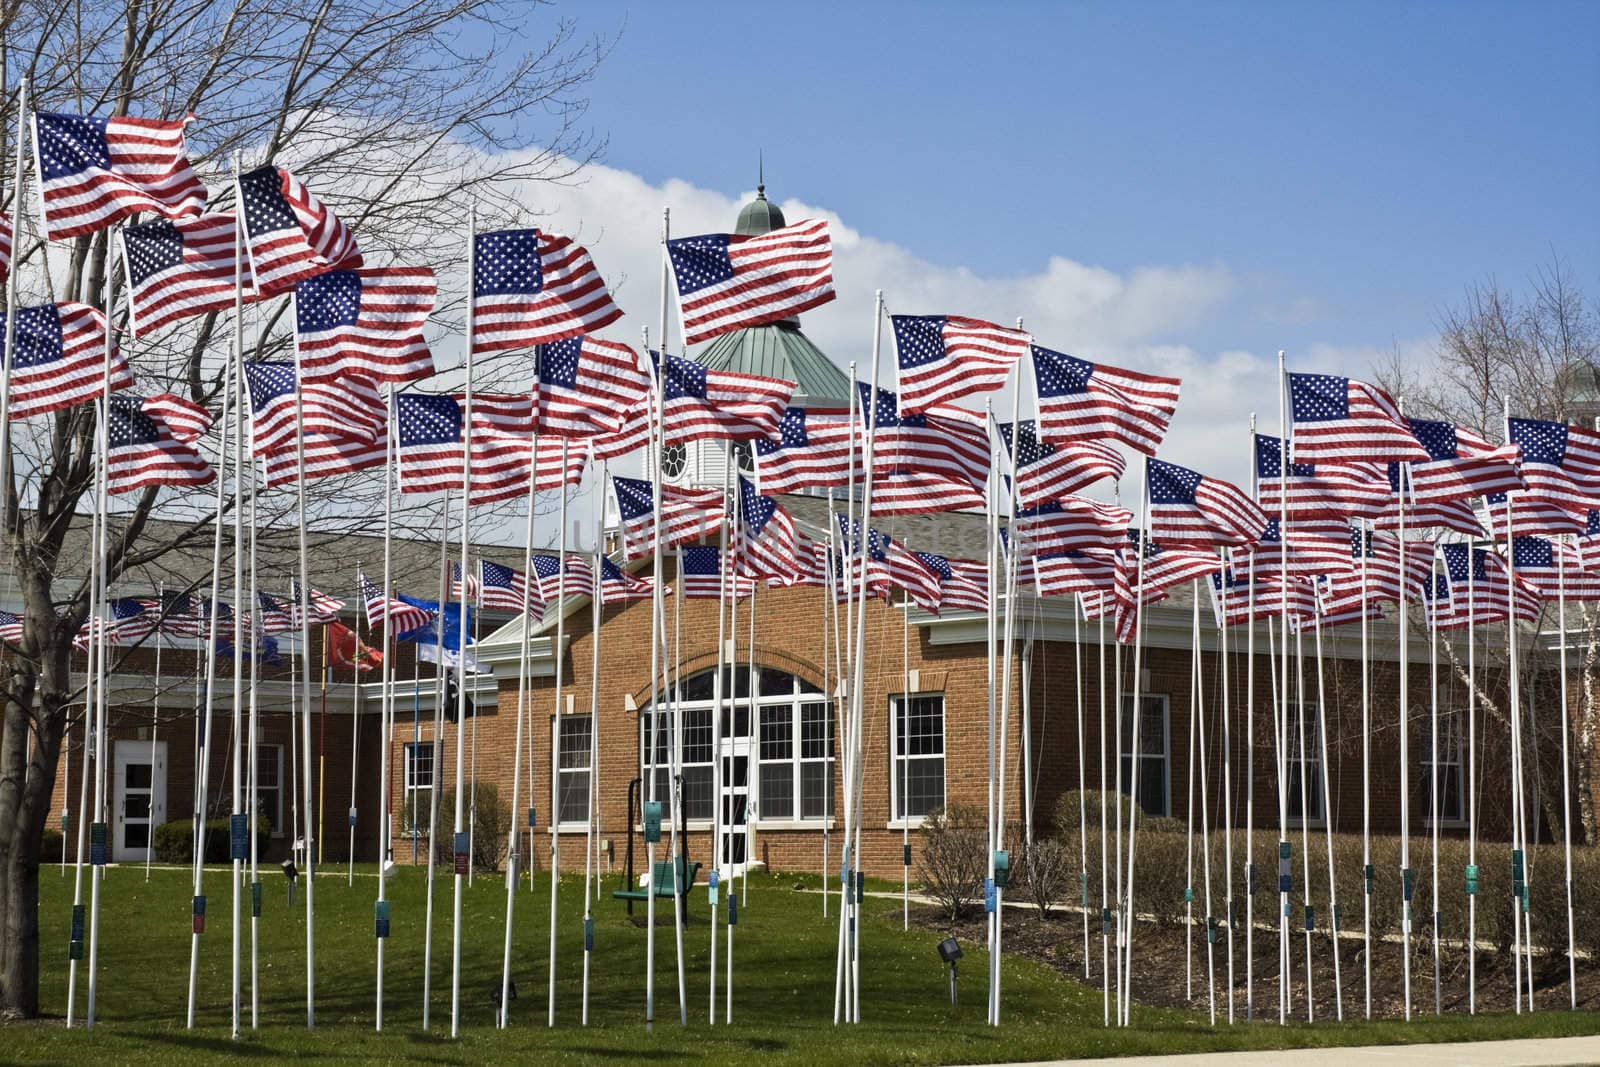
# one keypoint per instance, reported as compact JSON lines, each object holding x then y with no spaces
{"x":759,"y":215}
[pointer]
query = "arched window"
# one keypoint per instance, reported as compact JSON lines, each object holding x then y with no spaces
{"x":777,"y":748}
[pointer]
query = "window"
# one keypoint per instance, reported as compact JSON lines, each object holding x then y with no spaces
{"x":1305,"y":762}
{"x":1452,"y":754}
{"x":918,"y":747}
{"x":418,"y":785}
{"x":269,"y":785}
{"x":1155,"y":785}
{"x":786,"y":739}
{"x":697,"y":802}
{"x":574,"y":746}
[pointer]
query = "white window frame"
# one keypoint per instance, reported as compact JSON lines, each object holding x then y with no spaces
{"x":1165,"y":755}
{"x":566,"y":773}
{"x":664,"y":768}
{"x":897,"y":708}
{"x":1450,"y":756}
{"x":409,"y":787}
{"x":277,"y":787}
{"x":1312,"y":757}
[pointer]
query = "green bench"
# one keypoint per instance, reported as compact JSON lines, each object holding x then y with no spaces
{"x":661,"y":883}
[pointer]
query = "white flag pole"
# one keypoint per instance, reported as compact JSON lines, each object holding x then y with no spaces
{"x":386,"y":826}
{"x":717,"y":829}
{"x":84,"y":818}
{"x":996,"y":580}
{"x":1327,"y":823}
{"x":841,"y":992}
{"x":1116,"y":803}
{"x":1281,"y":705}
{"x":1433,"y":775}
{"x":1227,"y":778}
{"x":245,"y":620}
{"x":1105,"y":861}
{"x":20,"y":180}
{"x":591,"y":857}
{"x":1205,"y":827}
{"x":439,"y":691}
{"x":1188,"y":835}
{"x":102,"y":747}
{"x":1519,"y":840}
{"x":1083,"y":752}
{"x":254,"y":796}
{"x":905,"y":832}
{"x":1406,"y":875}
{"x":305,"y":688}
{"x":1305,"y":804}
{"x":1250,"y":751}
{"x":1472,"y":784}
{"x":1133,"y":797}
{"x":224,"y":441}
{"x":1566,"y":777}
{"x":555,"y":731}
{"x":657,"y":443}
{"x":155,"y":730}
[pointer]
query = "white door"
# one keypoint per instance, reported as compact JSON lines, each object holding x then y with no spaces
{"x":140,"y":800}
{"x":738,"y":766}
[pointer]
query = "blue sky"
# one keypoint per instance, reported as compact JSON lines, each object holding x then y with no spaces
{"x":1350,"y":166}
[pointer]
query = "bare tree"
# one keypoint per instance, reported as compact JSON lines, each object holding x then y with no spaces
{"x":397,"y":114}
{"x":1539,"y":349}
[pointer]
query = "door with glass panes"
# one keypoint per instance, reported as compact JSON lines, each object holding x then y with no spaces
{"x":140,"y":797}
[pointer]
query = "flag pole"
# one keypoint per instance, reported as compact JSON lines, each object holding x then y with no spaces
{"x":657,"y":443}
{"x":905,"y":833}
{"x":1205,"y":828}
{"x":89,"y":697}
{"x":1327,"y":823}
{"x":236,"y":853}
{"x":1566,"y":779}
{"x":386,"y":832}
{"x":1406,"y":874}
{"x":214,"y":609}
{"x":1281,"y":710}
{"x":591,"y":858}
{"x":841,"y":994}
{"x":461,"y":642}
{"x":1188,"y":835}
{"x":514,"y":832}
{"x":1519,"y":842}
{"x":717,"y":828}
{"x":305,"y":685}
{"x":255,"y":730}
{"x":439,"y":691}
{"x":1472,"y":784}
{"x":102,"y":753}
{"x":355,"y":746}
{"x":1305,"y":805}
{"x":1433,"y":784}
{"x":995,"y":580}
{"x":555,"y":729}
{"x":1083,"y":814}
{"x":1250,"y":749}
{"x":1133,"y":796}
{"x":1227,"y":779}
{"x":155,"y":731}
{"x":1105,"y":863}
{"x":1366,"y":777}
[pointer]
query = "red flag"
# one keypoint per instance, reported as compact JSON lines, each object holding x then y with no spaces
{"x":346,"y":650}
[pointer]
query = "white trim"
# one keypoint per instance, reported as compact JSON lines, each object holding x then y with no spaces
{"x":896,"y":820}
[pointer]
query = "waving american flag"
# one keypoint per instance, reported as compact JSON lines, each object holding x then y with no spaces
{"x":179,"y":269}
{"x":1047,"y":471}
{"x":687,"y":514}
{"x":350,"y":408}
{"x":1080,"y":400}
{"x":147,"y":448}
{"x":1187,"y":508}
{"x":58,"y":359}
{"x":943,"y":358}
{"x":95,"y":171}
{"x":504,"y":589}
{"x":700,"y":574}
{"x":587,"y":386}
{"x":702,"y":404}
{"x":1560,"y":463}
{"x":730,"y":281}
{"x":1463,"y":464}
{"x":367,"y":322}
{"x":289,"y":233}
{"x":1308,"y":492}
{"x":936,"y":460}
{"x":1340,"y":420}
{"x":533,"y":288}
{"x":403,"y":617}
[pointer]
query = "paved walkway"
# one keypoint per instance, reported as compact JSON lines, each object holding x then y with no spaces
{"x":1528,"y":1052}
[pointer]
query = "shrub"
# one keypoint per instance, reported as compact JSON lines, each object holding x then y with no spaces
{"x":50,"y":847}
{"x":174,"y":841}
{"x":489,"y":826}
{"x":954,"y":859}
{"x":1047,"y":869}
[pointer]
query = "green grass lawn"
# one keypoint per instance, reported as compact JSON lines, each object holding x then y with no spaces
{"x":783,"y":986}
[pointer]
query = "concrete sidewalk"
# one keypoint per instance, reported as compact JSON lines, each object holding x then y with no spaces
{"x":1529,"y":1052}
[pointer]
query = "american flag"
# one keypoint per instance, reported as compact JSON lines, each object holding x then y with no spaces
{"x":937,"y":460}
{"x":1232,"y":604}
{"x":503,"y":589}
{"x":185,"y":420}
{"x":890,"y":565}
{"x":1073,"y":573}
{"x":144,"y":449}
{"x":633,"y":435}
{"x":324,"y":607}
{"x":1438,"y":605}
{"x":1340,"y":600}
{"x":1378,"y":556}
{"x":366,"y":322}
{"x":1048,"y":471}
{"x":1589,"y":537}
{"x":811,"y":450}
{"x":1073,"y":522}
{"x":350,"y":408}
{"x":586,"y":386}
{"x":273,"y":615}
{"x":289,"y":233}
{"x":764,"y":537}
{"x":555,"y":583}
{"x":327,"y":456}
{"x":1322,"y":548}
{"x":1463,"y":464}
{"x":58,"y":359}
{"x":1079,"y":400}
{"x":1188,"y":508}
{"x":703,"y":404}
{"x":1549,"y":566}
{"x":687,"y":514}
{"x":180,"y":269}
{"x":181,"y":615}
{"x":618,"y":585}
{"x":471,"y":592}
{"x":95,"y":171}
{"x":131,"y":620}
{"x":1454,"y":515}
{"x":531,"y":288}
{"x":95,"y":629}
{"x":730,"y":281}
{"x":10,"y":627}
{"x":959,"y":590}
{"x":403,"y":617}
{"x":1341,"y":420}
{"x":943,"y":358}
{"x":700,"y":574}
{"x":430,"y":452}
{"x":1531,"y":515}
{"x":1560,"y":463}
{"x":1330,"y":491}
{"x":1163,"y":567}
{"x":1483,"y":590}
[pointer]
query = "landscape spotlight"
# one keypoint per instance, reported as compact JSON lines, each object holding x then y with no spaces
{"x":291,"y":872}
{"x":949,"y":952}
